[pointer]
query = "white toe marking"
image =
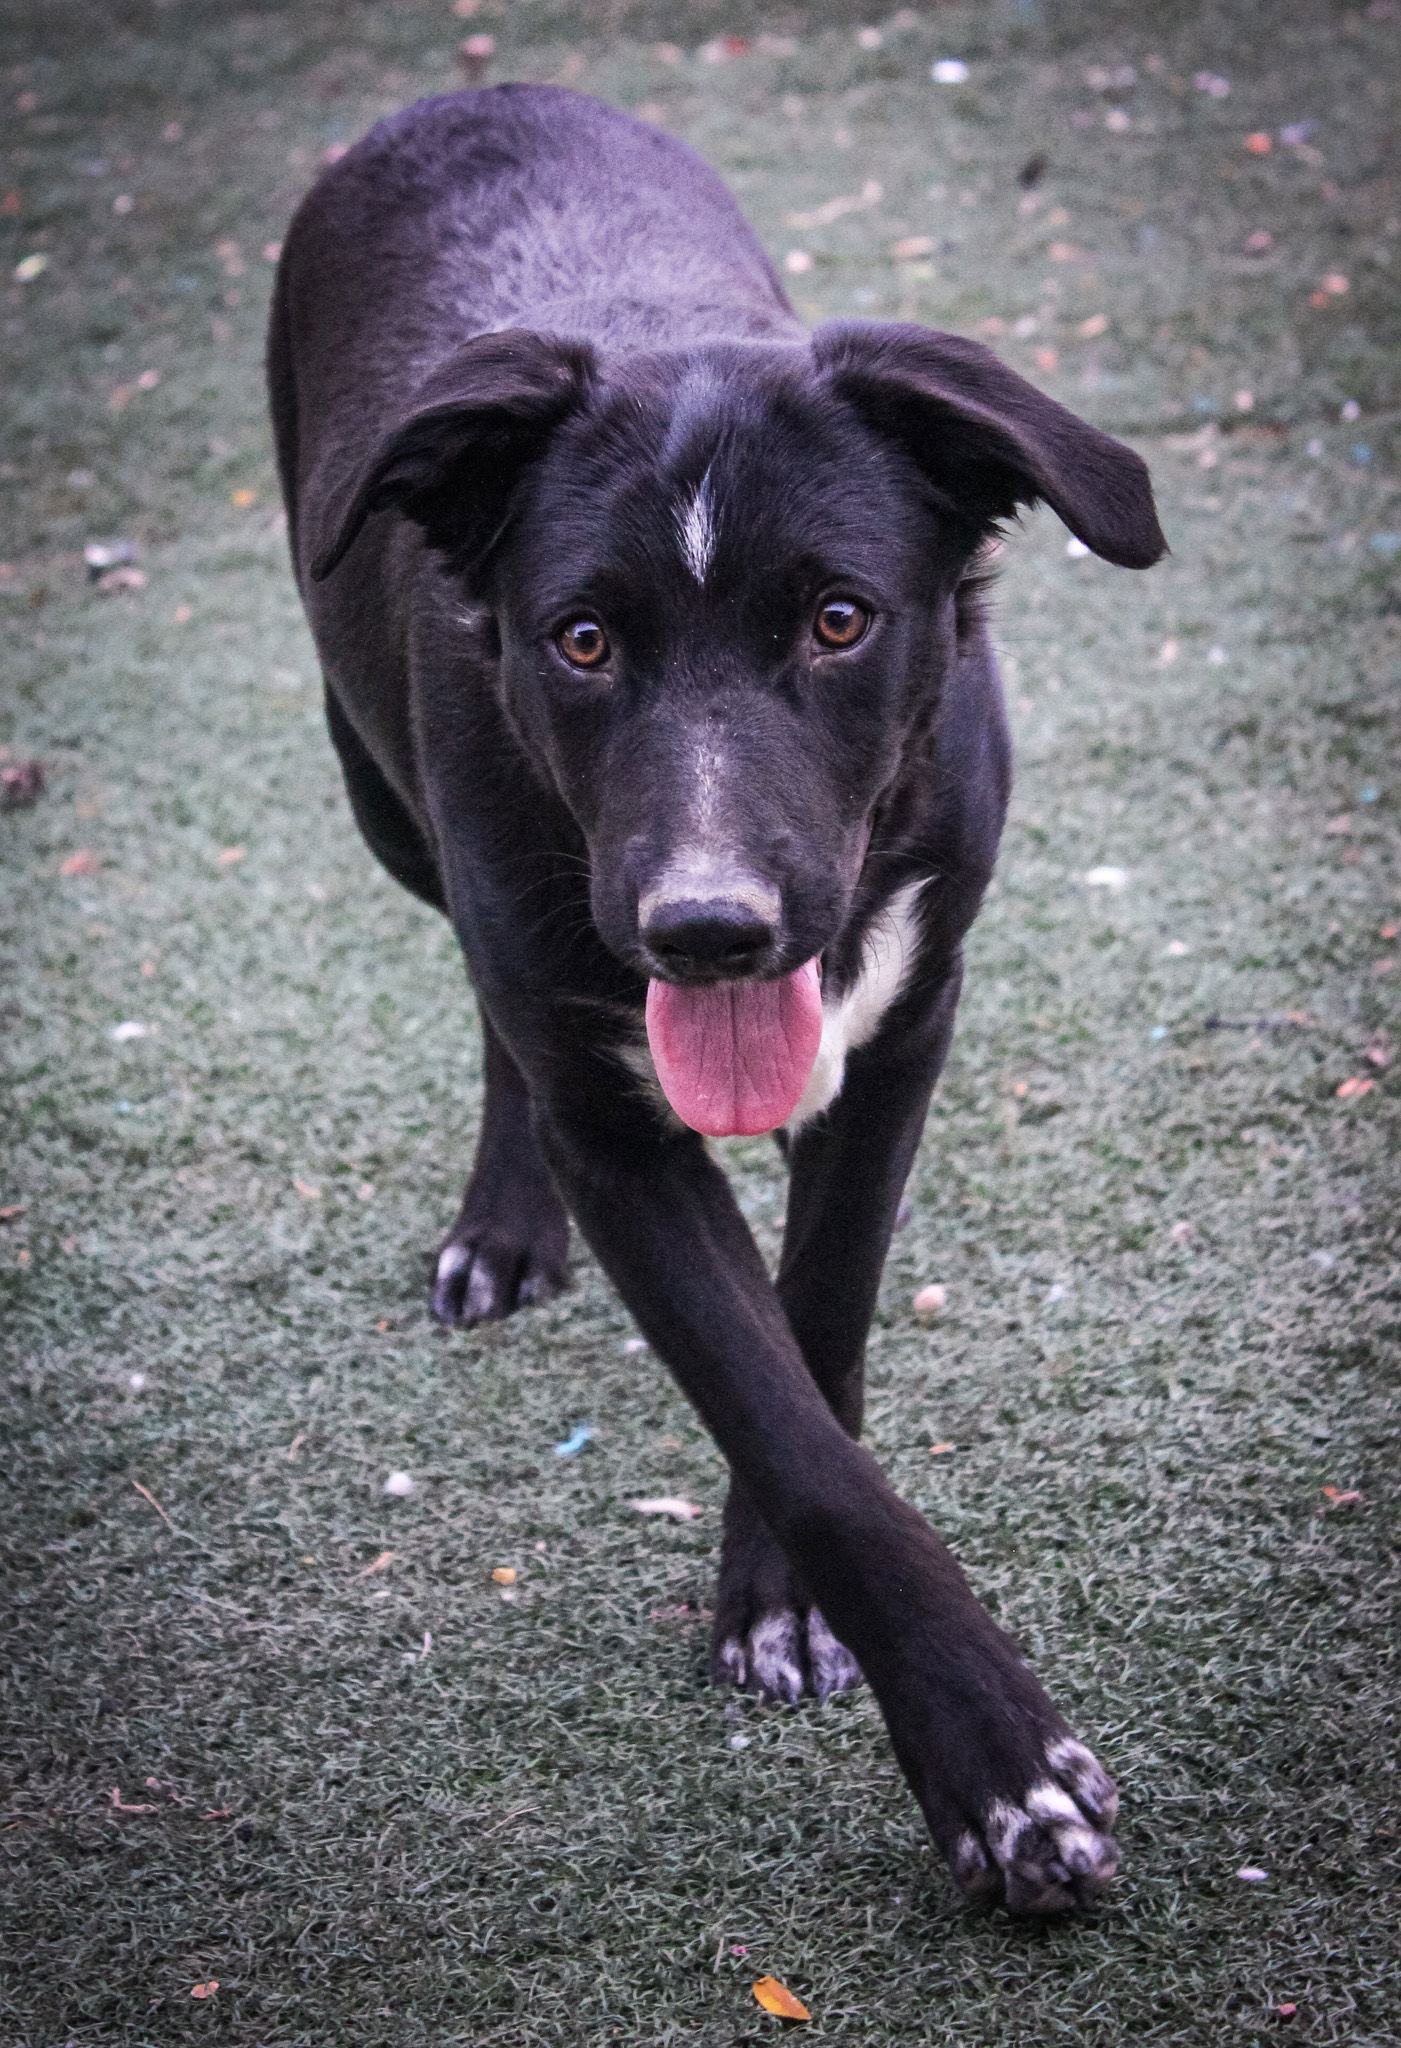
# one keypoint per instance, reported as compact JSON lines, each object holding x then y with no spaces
{"x":1086,"y":1777}
{"x":481,"y":1292}
{"x":833,"y":1667}
{"x":854,"y":1018}
{"x":1052,"y":1803}
{"x":773,"y":1656}
{"x":451,"y":1261}
{"x":729,"y":1659}
{"x":969,"y":1853}
{"x":1003,"y":1824}
{"x":696,"y":530}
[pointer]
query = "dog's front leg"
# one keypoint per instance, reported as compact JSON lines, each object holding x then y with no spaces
{"x":848,"y":1170}
{"x":1013,"y":1801}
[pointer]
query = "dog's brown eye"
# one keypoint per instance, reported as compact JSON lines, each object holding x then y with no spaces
{"x":841,"y":623}
{"x":583,"y":643}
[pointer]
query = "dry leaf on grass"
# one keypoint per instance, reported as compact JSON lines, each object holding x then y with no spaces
{"x":146,"y":1494}
{"x":83,"y":862}
{"x":120,"y":1805}
{"x":205,"y":1990}
{"x":376,"y":1564}
{"x":1335,"y":1497}
{"x":504,"y":1575}
{"x":778,"y":1999}
{"x":1350,"y":1089}
{"x":667,"y":1504}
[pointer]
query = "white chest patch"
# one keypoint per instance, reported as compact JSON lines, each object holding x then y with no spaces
{"x":695,"y":529}
{"x":854,"y":1018}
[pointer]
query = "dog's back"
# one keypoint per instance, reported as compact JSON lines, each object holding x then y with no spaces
{"x":518,"y":206}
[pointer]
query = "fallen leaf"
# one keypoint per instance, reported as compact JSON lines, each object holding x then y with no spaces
{"x":1259,"y":144}
{"x":376,"y":1564}
{"x":231,"y":856}
{"x":205,"y":1990}
{"x":1287,"y":2010}
{"x":122,"y":1806}
{"x":243,"y":498}
{"x":10,"y":1209}
{"x":146,"y":1494}
{"x":503,"y":1575}
{"x":778,"y":1999}
{"x":871,"y":194}
{"x":473,"y":55}
{"x":667,"y":1504}
{"x":938,"y":1450}
{"x":83,"y":862}
{"x":308,"y":1191}
{"x":113,"y":581}
{"x":1334,"y":1498}
{"x":294,"y":1449}
{"x":931,"y":1299}
{"x":1353,"y":1087}
{"x":218,"y":1813}
{"x":1098,"y":323}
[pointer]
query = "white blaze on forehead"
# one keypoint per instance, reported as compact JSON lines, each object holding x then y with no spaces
{"x":695,"y":529}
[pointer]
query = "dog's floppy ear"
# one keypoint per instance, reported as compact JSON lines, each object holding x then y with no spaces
{"x":988,"y":440}
{"x":450,"y":461}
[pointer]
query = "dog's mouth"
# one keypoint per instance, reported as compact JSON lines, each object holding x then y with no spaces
{"x":734,"y":1057}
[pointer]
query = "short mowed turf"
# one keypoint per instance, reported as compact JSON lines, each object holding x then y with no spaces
{"x":268,"y":1728}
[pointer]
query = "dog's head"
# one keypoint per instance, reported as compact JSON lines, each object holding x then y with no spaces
{"x":725,"y":584}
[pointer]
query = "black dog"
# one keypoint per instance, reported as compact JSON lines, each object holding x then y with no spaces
{"x":654,"y":658}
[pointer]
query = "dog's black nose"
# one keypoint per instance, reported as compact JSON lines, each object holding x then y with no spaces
{"x":707,"y":936}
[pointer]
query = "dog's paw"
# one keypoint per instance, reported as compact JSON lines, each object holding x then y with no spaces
{"x":783,"y":1656}
{"x":482,"y":1276}
{"x":1048,"y":1849}
{"x":769,"y":1638}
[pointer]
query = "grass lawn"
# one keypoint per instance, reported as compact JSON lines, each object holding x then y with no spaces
{"x":261,"y":1723}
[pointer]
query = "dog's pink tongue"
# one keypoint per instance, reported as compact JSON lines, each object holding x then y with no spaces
{"x":734,"y":1058}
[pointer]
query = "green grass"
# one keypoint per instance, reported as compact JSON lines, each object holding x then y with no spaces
{"x":540,"y":1831}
